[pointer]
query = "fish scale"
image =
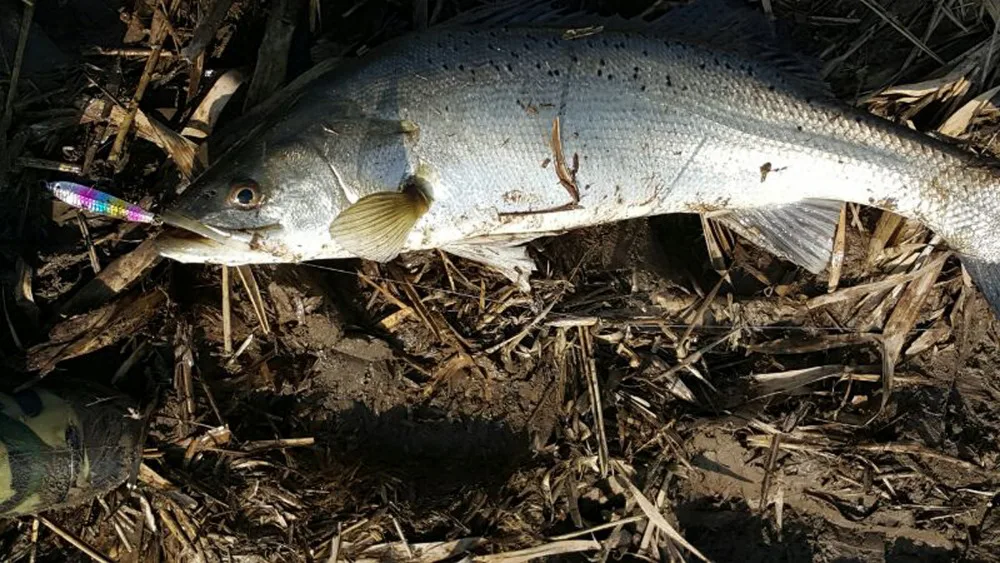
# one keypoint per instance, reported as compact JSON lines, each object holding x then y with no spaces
{"x":657,"y":126}
{"x":701,"y":128}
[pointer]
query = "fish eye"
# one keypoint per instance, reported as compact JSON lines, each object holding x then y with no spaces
{"x":245,"y":194}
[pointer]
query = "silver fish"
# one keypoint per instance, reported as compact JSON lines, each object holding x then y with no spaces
{"x":477,"y":140}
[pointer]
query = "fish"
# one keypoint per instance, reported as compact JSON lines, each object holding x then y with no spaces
{"x":63,"y":445}
{"x":479,"y":136}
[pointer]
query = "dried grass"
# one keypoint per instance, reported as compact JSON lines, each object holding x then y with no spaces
{"x":428,"y":410}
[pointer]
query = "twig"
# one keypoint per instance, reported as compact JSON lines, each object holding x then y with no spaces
{"x":700,"y":314}
{"x":8,"y":109}
{"x":541,"y":551}
{"x":227,"y":322}
{"x":891,"y":20}
{"x":402,"y":538}
{"x":256,"y":299}
{"x":73,"y":540}
{"x":594,"y":390}
{"x":158,"y":33}
{"x":335,"y":546}
{"x":35,"y":525}
{"x":524,"y":332}
{"x":657,"y":519}
{"x":837,"y":257}
{"x":694,"y":357}
{"x":598,"y":528}
{"x":95,"y":264}
{"x":127,"y":52}
{"x":851,"y":292}
{"x":205,"y":30}
{"x":281,"y":443}
{"x":272,"y":57}
{"x":43,"y":164}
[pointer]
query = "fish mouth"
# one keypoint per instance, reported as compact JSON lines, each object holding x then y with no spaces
{"x":187,"y":247}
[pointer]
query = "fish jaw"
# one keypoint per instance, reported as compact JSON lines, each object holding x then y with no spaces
{"x":189,"y":248}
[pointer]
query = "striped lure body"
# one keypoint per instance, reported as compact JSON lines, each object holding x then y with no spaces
{"x":61,"y":446}
{"x":96,"y":201}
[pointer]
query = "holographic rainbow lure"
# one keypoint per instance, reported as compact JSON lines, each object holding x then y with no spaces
{"x":96,"y":201}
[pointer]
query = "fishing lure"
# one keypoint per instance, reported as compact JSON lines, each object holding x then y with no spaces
{"x":96,"y":201}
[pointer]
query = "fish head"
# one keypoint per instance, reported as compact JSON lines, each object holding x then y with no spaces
{"x":278,"y":195}
{"x":267,"y":201}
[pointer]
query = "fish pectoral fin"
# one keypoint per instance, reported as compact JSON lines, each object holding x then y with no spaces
{"x":509,"y":258}
{"x":376,"y":226}
{"x":801,"y":233}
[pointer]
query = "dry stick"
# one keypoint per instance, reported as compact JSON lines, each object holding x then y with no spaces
{"x":650,"y":531}
{"x":272,"y":57}
{"x":903,"y":318}
{"x":205,"y":30}
{"x":700,"y":314}
{"x":227,"y":323}
{"x":256,"y":299}
{"x":891,"y":20}
{"x":127,"y":52}
{"x":889,"y":282}
{"x":22,"y":41}
{"x":594,"y":390}
{"x":73,"y":540}
{"x":694,"y":357}
{"x":657,"y":519}
{"x":35,"y":525}
{"x":278,"y":444}
{"x":837,"y":260}
{"x":524,"y":332}
{"x":598,"y":528}
{"x":402,"y":538}
{"x":95,"y":264}
{"x":158,"y":34}
{"x":335,"y":546}
{"x":541,"y":551}
{"x":45,"y":164}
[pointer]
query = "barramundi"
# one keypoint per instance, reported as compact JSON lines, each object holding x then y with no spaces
{"x":476,"y":137}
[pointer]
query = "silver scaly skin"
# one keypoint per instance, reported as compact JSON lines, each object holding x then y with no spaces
{"x":657,"y":127}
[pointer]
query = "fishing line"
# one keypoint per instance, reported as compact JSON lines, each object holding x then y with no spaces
{"x":96,"y":201}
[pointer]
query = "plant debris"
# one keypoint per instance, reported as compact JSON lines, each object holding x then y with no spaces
{"x":652,"y":394}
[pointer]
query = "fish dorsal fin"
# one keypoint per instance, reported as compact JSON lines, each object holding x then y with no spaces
{"x":733,"y":26}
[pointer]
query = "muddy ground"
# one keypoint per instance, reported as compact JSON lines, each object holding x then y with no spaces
{"x":426,"y":409}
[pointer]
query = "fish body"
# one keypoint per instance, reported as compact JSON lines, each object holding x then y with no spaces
{"x":61,"y":446}
{"x":514,"y":133}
